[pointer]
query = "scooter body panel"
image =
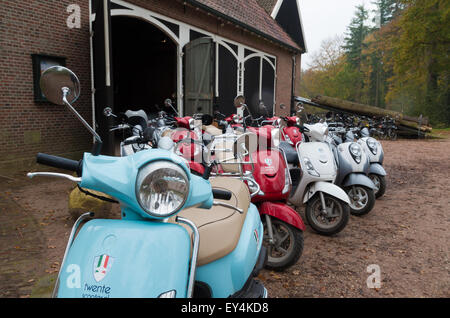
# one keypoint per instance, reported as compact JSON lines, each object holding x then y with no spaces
{"x":271,"y":173}
{"x":358,"y":179}
{"x":326,"y":187}
{"x":322,"y":159}
{"x":347,"y":163}
{"x":293,"y":135}
{"x":282,"y":212}
{"x":228,"y":275}
{"x":120,"y":259}
{"x":375,"y":155}
{"x":376,"y":168}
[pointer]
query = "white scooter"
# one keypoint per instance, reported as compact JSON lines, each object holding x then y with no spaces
{"x":327,"y":205}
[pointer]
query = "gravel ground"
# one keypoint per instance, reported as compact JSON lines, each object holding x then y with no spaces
{"x":406,"y":235}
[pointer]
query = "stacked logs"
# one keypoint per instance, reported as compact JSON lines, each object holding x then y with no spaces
{"x":407,"y":125}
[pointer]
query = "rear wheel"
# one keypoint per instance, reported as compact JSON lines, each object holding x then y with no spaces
{"x":332,"y":220}
{"x":380,"y":184}
{"x":362,"y":199}
{"x":286,"y":247}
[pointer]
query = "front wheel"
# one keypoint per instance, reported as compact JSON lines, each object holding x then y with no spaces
{"x":362,"y":199}
{"x":330,"y":220}
{"x":286,"y":247}
{"x":380,"y":184}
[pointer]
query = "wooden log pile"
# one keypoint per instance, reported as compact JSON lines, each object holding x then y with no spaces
{"x":407,"y":125}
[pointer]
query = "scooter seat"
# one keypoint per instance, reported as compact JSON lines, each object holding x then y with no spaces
{"x":212,"y":130}
{"x":290,"y":152}
{"x":220,"y":227}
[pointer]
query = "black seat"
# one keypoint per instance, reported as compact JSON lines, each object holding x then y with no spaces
{"x":290,"y":152}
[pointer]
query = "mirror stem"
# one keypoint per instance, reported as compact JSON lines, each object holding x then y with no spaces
{"x":98,"y":140}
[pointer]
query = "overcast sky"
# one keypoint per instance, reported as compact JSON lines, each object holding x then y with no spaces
{"x":323,"y":19}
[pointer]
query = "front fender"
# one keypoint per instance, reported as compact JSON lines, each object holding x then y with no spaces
{"x":283,"y":212}
{"x":358,"y":179}
{"x":376,"y":168}
{"x":328,"y":188}
{"x":120,"y":259}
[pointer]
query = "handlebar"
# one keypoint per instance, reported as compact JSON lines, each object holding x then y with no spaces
{"x":59,"y":162}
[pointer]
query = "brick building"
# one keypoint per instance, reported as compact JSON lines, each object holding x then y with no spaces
{"x":134,"y":54}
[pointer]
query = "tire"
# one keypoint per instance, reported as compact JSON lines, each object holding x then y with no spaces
{"x":361,"y":202}
{"x":313,"y":215}
{"x":380,"y":183}
{"x":282,"y":255}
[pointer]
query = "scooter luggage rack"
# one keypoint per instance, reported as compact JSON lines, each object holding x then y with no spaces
{"x":239,"y":161}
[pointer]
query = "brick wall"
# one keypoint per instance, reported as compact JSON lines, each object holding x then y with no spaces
{"x":28,"y":127}
{"x":39,"y":27}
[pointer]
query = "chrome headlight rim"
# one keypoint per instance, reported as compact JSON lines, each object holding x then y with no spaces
{"x":310,"y":167}
{"x":356,"y":151}
{"x":150,"y":168}
{"x":372,"y":144}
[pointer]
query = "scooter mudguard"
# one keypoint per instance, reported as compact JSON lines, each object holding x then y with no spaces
{"x":328,"y":188}
{"x":123,"y":259}
{"x":376,"y":168}
{"x":282,"y":212}
{"x":228,"y":275}
{"x":358,"y":179}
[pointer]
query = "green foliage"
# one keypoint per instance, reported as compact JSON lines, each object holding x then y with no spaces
{"x":403,"y":65}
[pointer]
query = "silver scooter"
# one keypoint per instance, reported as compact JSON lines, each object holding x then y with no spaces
{"x":374,"y":150}
{"x":327,"y":205}
{"x":353,"y":169}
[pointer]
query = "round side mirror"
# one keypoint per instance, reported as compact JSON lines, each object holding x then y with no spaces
{"x":108,"y":112}
{"x":239,"y":101}
{"x":168,"y":102}
{"x":55,"y":81}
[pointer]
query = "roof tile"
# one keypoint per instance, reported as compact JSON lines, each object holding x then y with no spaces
{"x":252,"y":15}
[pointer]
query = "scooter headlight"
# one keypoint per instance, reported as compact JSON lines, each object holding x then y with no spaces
{"x":162,"y":188}
{"x":372,"y":145}
{"x":310,"y":168}
{"x":356,"y":151}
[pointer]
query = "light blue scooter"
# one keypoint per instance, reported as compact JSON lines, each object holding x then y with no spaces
{"x":170,"y":242}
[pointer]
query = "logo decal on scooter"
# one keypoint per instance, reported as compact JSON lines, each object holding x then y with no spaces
{"x":102,"y":265}
{"x":256,"y":236}
{"x":268,"y":161}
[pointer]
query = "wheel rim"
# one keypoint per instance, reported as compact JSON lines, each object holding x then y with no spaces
{"x":323,"y":221}
{"x":283,"y":243}
{"x":376,"y":181}
{"x":358,"y":198}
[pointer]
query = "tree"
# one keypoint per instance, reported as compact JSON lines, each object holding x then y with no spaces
{"x":387,"y":10}
{"x":357,"y":31}
{"x":421,"y":59}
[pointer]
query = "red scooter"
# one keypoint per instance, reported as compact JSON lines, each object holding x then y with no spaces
{"x":283,"y":230}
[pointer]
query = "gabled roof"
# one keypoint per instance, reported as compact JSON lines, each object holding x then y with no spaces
{"x":250,"y":15}
{"x":267,"y":5}
{"x":287,"y":14}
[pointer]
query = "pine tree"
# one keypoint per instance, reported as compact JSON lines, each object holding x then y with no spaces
{"x":386,"y":11}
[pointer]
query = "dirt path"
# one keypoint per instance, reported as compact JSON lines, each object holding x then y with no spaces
{"x":406,"y":235}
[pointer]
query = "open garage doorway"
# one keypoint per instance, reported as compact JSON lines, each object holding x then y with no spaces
{"x":144,"y":65}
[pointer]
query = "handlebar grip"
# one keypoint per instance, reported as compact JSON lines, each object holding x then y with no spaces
{"x":59,"y":162}
{"x":221,"y":194}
